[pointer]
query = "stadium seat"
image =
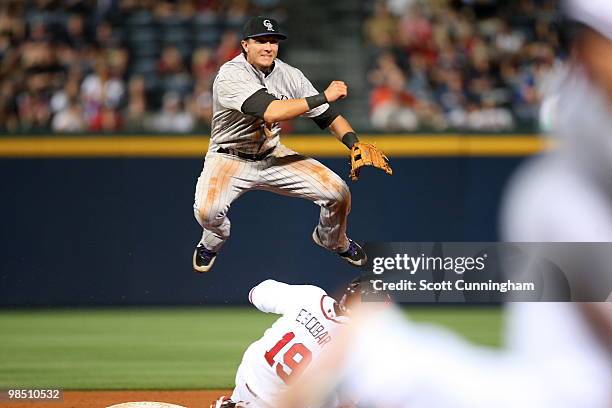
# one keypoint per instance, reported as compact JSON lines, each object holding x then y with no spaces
{"x":140,"y":18}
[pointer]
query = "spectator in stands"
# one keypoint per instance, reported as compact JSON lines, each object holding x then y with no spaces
{"x":33,"y":103}
{"x":37,"y":51}
{"x":380,"y":29}
{"x":237,"y":14}
{"x":203,"y":65}
{"x":451,"y":93}
{"x":106,"y":120}
{"x":418,"y":77}
{"x":172,"y":71}
{"x":228,"y":48}
{"x":61,"y":98}
{"x":11,"y":23}
{"x":9,"y":120}
{"x":136,"y":110}
{"x":106,"y":37}
{"x":164,"y":9}
{"x":173,"y":117}
{"x":487,"y":116}
{"x":101,"y":89}
{"x":170,"y":62}
{"x":509,"y":41}
{"x":392,"y":106}
{"x":69,"y":119}
{"x":462,"y":63}
{"x":415,"y":33}
{"x":200,"y":104}
{"x":62,"y":45}
{"x":117,"y":62}
{"x":76,"y":35}
{"x":450,"y":55}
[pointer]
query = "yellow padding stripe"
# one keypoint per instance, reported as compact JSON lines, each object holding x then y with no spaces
{"x":312,"y":145}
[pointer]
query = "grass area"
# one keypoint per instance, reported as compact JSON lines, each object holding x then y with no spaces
{"x":186,"y":348}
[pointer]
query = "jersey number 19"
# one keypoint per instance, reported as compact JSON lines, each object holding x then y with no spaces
{"x":296,"y":358}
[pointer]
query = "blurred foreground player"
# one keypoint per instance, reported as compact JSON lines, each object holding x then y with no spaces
{"x":566,"y":195}
{"x":309,"y":321}
{"x":557,"y":355}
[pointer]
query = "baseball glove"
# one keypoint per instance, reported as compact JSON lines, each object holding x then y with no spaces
{"x":366,"y":154}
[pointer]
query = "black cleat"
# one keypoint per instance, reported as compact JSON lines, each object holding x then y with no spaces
{"x":203,"y":259}
{"x":355,"y":255}
{"x":225,"y":402}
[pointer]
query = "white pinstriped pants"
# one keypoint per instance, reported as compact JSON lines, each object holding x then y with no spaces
{"x":226,"y":177}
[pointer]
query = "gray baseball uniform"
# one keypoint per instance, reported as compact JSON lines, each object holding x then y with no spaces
{"x":229,"y":174}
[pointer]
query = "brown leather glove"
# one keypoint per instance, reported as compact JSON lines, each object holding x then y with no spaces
{"x":366,"y":154}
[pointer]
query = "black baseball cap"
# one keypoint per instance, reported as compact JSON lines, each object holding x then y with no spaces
{"x":260,"y":26}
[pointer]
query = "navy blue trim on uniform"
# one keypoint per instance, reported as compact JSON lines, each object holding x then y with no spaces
{"x":256,"y":104}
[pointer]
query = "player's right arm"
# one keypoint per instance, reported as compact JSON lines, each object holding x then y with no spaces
{"x":271,"y":296}
{"x":237,"y":91}
{"x":279,"y":110}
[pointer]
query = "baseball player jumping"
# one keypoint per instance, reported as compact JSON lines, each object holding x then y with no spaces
{"x":308,"y":324}
{"x":252,"y":93}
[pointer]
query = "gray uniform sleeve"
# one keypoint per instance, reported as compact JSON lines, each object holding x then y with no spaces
{"x":307,"y":89}
{"x":234,"y":87}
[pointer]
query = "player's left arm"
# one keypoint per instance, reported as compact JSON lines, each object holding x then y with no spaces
{"x":344,"y":132}
{"x":327,"y":117}
{"x":362,"y":154}
{"x":271,"y":296}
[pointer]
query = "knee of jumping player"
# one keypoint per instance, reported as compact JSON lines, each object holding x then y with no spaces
{"x":208,"y":216}
{"x":340,"y":196}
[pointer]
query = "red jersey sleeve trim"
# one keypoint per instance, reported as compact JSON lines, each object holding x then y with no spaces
{"x":325,"y":314}
{"x":251,"y":295}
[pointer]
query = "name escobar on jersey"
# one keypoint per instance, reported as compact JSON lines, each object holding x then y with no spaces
{"x":314,"y":327}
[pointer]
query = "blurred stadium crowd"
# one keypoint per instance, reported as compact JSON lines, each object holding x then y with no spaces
{"x":115,"y":65}
{"x":459,"y":64}
{"x":147,"y":65}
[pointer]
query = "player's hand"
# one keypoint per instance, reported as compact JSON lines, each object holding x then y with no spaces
{"x":336,"y":90}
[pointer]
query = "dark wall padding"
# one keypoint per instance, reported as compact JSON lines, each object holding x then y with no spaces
{"x":122,"y":231}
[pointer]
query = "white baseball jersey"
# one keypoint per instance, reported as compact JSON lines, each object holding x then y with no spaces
{"x":289,"y":347}
{"x":236,"y":81}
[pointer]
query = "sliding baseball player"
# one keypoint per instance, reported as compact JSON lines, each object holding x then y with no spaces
{"x":307,"y":326}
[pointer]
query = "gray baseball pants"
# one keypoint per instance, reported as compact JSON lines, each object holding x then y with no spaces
{"x":226,"y":177}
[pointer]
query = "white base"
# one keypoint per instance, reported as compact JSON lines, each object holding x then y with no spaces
{"x":145,"y":404}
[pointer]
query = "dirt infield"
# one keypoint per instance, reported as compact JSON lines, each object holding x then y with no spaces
{"x":102,"y":399}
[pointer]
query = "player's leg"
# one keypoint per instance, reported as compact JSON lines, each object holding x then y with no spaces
{"x":242,"y":392}
{"x":222,"y":180}
{"x":226,"y":402}
{"x":303,"y":177}
{"x":246,"y":399}
{"x":299,"y":176}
